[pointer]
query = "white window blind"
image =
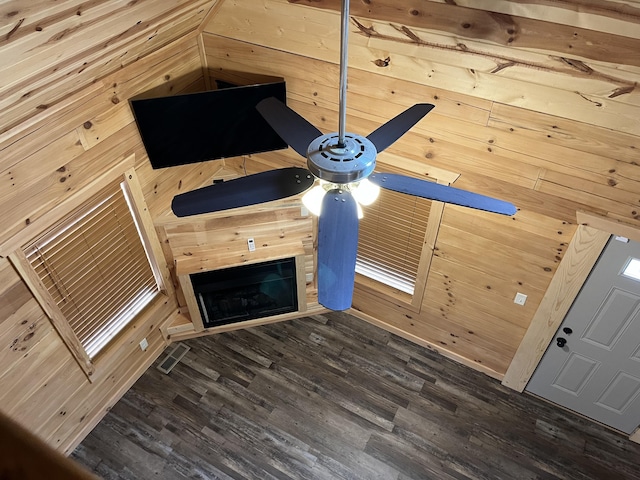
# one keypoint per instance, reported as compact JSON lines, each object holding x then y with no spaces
{"x":95,"y":268}
{"x":391,"y":238}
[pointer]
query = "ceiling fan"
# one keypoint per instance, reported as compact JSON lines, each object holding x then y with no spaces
{"x":344,"y":163}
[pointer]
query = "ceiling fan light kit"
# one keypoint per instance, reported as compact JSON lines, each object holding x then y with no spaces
{"x":344,"y":164}
{"x":364,"y":192}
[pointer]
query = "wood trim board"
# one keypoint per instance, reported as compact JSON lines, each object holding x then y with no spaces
{"x":582,"y":253}
{"x":39,"y":291}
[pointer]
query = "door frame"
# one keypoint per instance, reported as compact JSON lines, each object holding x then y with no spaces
{"x":583,"y":252}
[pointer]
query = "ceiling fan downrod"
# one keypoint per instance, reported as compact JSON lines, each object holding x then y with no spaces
{"x":341,"y":158}
{"x":344,"y":58}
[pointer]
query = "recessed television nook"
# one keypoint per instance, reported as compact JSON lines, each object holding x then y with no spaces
{"x":246,"y":292}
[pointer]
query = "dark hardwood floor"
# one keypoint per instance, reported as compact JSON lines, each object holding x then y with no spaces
{"x":332,"y":397}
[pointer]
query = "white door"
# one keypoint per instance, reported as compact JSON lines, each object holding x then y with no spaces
{"x":593,"y":364}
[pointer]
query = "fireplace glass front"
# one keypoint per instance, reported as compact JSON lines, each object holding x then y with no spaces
{"x":246,"y":292}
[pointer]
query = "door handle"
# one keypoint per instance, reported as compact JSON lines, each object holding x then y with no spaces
{"x":561,"y":341}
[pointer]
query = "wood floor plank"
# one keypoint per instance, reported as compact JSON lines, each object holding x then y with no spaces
{"x":333,"y":397}
{"x":406,"y":458}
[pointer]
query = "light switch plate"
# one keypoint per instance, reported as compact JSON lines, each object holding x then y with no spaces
{"x":144,"y":344}
{"x":520,"y":299}
{"x":251,"y":244}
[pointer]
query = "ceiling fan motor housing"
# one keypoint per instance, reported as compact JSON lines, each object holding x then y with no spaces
{"x":337,"y":164}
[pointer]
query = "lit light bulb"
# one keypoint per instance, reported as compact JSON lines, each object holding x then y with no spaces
{"x":360,"y":212}
{"x":366,"y":192}
{"x":312,"y":200}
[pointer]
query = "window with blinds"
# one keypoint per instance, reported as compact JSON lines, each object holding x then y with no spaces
{"x":95,"y":267}
{"x":391,"y":237}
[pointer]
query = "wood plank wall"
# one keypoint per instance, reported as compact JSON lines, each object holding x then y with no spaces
{"x":543,"y":114}
{"x":50,"y":50}
{"x":82,"y":63}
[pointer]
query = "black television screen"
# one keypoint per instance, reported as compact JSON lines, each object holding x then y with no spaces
{"x":207,"y":125}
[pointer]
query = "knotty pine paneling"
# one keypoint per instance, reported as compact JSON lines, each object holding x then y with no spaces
{"x":54,"y":161}
{"x":619,"y":17}
{"x":549,"y":131}
{"x":26,"y":325}
{"x":547,"y":67}
{"x":510,"y":23}
{"x":34,"y":354}
{"x":540,"y":133}
{"x":50,"y":51}
{"x":45,"y":162}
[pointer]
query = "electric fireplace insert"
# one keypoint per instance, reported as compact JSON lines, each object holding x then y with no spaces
{"x":246,"y":292}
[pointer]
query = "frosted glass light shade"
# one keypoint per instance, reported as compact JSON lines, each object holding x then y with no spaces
{"x":366,"y":193}
{"x":312,"y":200}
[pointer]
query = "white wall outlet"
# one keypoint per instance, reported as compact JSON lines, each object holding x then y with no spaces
{"x":144,"y":344}
{"x":520,"y":299}
{"x":251,"y":244}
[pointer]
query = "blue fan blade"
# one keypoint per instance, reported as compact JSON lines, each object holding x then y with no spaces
{"x":243,"y":191}
{"x":337,"y":249}
{"x":442,"y":193}
{"x":391,"y":131}
{"x":292,"y":128}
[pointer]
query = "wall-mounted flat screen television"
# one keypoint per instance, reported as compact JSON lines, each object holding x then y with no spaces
{"x":209,"y":125}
